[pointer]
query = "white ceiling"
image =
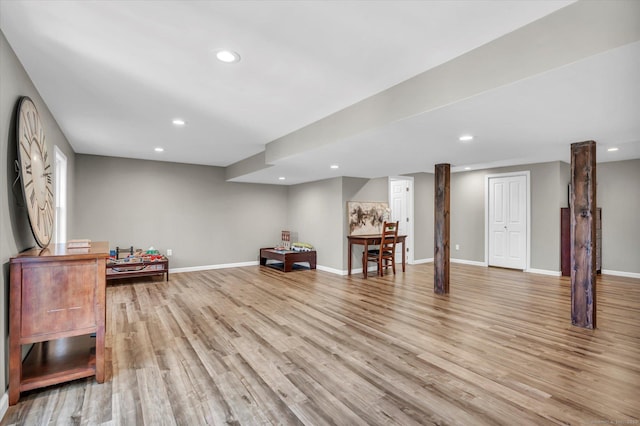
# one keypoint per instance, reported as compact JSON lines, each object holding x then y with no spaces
{"x":115,"y":73}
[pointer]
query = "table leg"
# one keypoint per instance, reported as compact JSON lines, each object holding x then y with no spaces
{"x":15,"y":370}
{"x":349,"y":259}
{"x":364,"y":259}
{"x":404,"y":254}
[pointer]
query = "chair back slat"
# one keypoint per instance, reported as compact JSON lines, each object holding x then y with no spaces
{"x":385,"y":255}
{"x":389,"y":235}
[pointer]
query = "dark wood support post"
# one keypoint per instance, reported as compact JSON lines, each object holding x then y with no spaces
{"x":441,"y":234}
{"x":583,"y":234}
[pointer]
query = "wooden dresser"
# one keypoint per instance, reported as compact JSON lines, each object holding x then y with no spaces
{"x":57,"y":303}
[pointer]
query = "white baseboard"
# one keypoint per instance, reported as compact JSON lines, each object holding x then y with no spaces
{"x":332,"y":270}
{"x":4,"y":405}
{"x":468,"y":262}
{"x":253,"y":263}
{"x":354,"y":271}
{"x":207,"y":267}
{"x":544,"y":272}
{"x":373,"y":268}
{"x":621,"y":273}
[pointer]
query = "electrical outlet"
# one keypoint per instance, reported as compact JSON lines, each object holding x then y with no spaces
{"x":169,"y":252}
{"x":457,"y":246}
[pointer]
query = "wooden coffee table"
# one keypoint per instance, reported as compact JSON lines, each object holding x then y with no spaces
{"x":288,"y":257}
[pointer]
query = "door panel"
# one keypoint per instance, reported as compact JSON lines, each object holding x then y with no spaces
{"x":498,"y":203}
{"x":498,"y":244}
{"x":400,"y":211}
{"x":508,"y":221}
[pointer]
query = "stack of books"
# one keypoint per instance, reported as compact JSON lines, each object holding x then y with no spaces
{"x":286,"y":240}
{"x":81,"y":245}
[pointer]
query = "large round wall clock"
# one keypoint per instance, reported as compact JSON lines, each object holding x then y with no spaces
{"x":35,"y":172}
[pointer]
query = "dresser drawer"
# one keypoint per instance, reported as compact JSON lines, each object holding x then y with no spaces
{"x":58,"y":297}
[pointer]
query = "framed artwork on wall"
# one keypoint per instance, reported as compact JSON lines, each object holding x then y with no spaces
{"x":366,"y":217}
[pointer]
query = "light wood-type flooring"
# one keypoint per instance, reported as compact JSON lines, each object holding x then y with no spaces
{"x":256,"y":346}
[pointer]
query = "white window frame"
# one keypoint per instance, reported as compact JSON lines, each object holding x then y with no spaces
{"x":60,"y":170}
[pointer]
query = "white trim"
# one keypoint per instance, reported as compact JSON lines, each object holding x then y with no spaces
{"x":410,"y":210}
{"x":527,"y":175}
{"x":621,"y":273}
{"x":468,"y":262}
{"x":359,"y":271}
{"x":370,"y":268}
{"x":4,"y":405}
{"x":332,"y":270}
{"x":61,"y":198}
{"x":207,"y":267}
{"x":543,"y":272}
{"x":253,"y":263}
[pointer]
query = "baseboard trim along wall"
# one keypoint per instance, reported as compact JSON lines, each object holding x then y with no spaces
{"x":332,"y":270}
{"x":415,"y":262}
{"x":4,"y":405}
{"x":543,"y":272}
{"x":207,"y":267}
{"x":621,"y":273}
{"x":468,"y":262}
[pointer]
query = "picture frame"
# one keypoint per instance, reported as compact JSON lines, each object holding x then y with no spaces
{"x":367,"y":217}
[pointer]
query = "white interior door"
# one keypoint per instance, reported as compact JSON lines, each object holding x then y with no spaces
{"x":508,"y":221}
{"x":400,"y":202}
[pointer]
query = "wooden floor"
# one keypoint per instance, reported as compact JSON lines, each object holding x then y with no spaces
{"x":255,"y":345}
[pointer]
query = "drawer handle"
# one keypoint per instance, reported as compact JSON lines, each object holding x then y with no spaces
{"x":64,"y":309}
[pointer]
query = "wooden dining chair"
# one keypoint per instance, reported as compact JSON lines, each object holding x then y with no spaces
{"x":385,"y":254}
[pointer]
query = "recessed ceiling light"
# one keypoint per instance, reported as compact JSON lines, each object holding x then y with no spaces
{"x":334,"y":166}
{"x":612,"y":149}
{"x":227,"y":56}
{"x":467,"y":168}
{"x":466,"y":138}
{"x":281,"y":178}
{"x":158,"y":149}
{"x":178,"y":122}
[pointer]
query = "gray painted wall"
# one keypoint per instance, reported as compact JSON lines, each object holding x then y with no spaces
{"x":423,"y":226}
{"x":190,"y":209}
{"x":467,"y":215}
{"x":358,"y":189}
{"x":618,"y":193}
{"x":548,"y":194}
{"x":315,"y":217}
{"x":15,"y":233}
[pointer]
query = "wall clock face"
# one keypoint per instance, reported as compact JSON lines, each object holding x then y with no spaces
{"x":35,"y":172}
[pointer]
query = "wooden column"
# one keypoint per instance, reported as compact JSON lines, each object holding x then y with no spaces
{"x":441,"y":234}
{"x":583,"y":234}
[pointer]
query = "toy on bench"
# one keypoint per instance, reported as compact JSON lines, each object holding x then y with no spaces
{"x":136,"y":263}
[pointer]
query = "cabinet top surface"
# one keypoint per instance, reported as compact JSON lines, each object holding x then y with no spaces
{"x":59,"y":251}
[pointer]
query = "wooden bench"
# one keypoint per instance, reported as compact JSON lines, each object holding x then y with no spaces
{"x":136,"y":266}
{"x":288,"y":257}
